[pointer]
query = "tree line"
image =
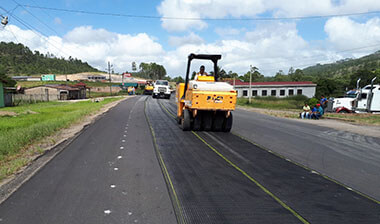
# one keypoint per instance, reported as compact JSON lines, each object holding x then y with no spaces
{"x":17,"y":59}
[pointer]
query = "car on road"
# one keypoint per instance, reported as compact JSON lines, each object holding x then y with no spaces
{"x":161,"y":89}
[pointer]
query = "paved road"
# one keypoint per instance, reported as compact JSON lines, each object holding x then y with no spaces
{"x":109,"y":174}
{"x":350,"y":158}
{"x":221,"y":178}
{"x":198,"y":177}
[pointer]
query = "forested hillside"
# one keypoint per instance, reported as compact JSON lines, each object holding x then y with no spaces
{"x":16,"y":59}
{"x":345,"y":67}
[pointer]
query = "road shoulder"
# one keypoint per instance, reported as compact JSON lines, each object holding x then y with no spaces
{"x":366,"y":130}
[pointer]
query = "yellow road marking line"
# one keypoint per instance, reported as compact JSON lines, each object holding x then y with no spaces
{"x":300,"y":165}
{"x":308,"y":169}
{"x":283,"y":204}
{"x":166,"y":173}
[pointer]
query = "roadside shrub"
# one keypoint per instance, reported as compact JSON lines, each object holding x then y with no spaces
{"x":312,"y":101}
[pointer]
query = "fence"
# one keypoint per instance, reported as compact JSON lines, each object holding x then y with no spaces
{"x":19,"y":99}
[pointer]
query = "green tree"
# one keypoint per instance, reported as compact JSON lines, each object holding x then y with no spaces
{"x":178,"y":79}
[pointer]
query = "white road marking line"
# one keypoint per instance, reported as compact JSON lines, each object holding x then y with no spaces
{"x":119,"y":157}
{"x":112,"y":186}
{"x":123,"y":140}
{"x":124,"y":136}
{"x":107,"y":212}
{"x":115,"y":168}
{"x":121,"y":147}
{"x":129,"y":213}
{"x":314,"y":172}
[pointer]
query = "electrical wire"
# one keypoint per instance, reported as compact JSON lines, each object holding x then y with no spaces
{"x":36,"y":31}
{"x":206,"y":19}
{"x":42,"y":22}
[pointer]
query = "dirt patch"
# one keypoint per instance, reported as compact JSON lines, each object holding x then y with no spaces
{"x":7,"y":113}
{"x":341,"y":124}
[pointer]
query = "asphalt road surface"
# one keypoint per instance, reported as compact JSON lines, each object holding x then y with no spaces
{"x":134,"y":165}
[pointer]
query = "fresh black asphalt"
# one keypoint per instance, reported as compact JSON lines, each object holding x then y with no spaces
{"x":116,"y":172}
{"x":314,"y":197}
{"x":75,"y":187}
{"x":350,"y":158}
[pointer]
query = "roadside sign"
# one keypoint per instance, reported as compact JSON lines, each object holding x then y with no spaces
{"x":48,"y":77}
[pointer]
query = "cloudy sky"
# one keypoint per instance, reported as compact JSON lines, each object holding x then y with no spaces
{"x":269,"y":34}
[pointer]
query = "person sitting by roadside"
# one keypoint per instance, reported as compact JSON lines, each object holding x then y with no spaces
{"x":313,"y":113}
{"x":306,"y":112}
{"x":319,"y":112}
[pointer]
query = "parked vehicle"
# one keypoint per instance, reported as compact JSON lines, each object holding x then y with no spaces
{"x":368,"y":99}
{"x":345,"y":104}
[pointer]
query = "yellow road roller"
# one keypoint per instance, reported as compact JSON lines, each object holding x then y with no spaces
{"x":204,"y":103}
{"x":148,"y":90}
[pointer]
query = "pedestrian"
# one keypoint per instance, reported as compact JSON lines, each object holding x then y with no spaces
{"x":323,"y":102}
{"x":306,"y":112}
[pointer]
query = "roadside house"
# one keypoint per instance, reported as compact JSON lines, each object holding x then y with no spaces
{"x":276,"y":89}
{"x":53,"y":92}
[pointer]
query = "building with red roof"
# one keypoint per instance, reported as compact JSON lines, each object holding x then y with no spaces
{"x":276,"y":89}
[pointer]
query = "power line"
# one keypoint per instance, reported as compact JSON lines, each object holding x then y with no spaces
{"x":195,"y":18}
{"x":42,"y":22}
{"x":36,"y":31}
{"x":10,"y":30}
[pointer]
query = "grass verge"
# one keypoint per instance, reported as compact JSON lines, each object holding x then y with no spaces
{"x":366,"y":119}
{"x":287,"y":103}
{"x":33,"y":123}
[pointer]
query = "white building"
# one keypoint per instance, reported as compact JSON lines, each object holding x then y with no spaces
{"x":277,"y":89}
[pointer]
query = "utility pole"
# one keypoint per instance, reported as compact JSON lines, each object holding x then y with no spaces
{"x":109,"y":73}
{"x":64,"y":71}
{"x":250,"y":87}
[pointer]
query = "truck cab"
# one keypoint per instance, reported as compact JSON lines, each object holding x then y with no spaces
{"x":161,"y":89}
{"x":368,"y":100}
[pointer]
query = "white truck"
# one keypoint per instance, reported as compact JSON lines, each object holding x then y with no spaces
{"x":345,"y":104}
{"x":161,"y":89}
{"x":368,"y":99}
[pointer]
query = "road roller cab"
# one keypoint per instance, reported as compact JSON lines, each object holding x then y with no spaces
{"x":204,"y":103}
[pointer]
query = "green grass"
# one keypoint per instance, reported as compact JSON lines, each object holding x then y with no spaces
{"x":29,"y":84}
{"x":287,"y":103}
{"x":35,"y":122}
{"x":369,"y":119}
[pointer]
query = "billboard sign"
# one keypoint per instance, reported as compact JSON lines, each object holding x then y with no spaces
{"x":48,"y":77}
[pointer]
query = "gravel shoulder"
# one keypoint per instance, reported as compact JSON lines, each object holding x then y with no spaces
{"x":337,"y":124}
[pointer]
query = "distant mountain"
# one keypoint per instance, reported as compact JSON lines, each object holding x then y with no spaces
{"x":346,"y":67}
{"x":16,"y":59}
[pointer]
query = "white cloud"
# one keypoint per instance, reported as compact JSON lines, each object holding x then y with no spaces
{"x":95,"y":46}
{"x":344,"y":33}
{"x":251,"y":8}
{"x":192,"y":38}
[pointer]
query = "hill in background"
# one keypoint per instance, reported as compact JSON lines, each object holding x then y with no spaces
{"x":17,"y":59}
{"x":345,"y":67}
